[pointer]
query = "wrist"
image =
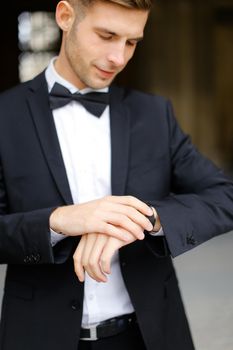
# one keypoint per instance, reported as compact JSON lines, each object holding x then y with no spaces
{"x":54,"y":221}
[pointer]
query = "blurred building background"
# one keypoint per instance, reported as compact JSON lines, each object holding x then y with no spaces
{"x":187,"y":55}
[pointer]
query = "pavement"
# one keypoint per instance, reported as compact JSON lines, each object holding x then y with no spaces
{"x":206,"y":281}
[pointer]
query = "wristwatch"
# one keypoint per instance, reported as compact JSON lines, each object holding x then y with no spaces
{"x":152,"y":218}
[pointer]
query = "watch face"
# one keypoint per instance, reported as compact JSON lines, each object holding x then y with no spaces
{"x":152,"y":218}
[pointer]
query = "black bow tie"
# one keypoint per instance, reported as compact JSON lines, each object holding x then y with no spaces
{"x":94,"y":102}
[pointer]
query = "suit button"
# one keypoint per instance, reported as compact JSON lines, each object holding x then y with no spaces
{"x":75,"y":305}
{"x":190,"y":240}
{"x":27,"y":259}
{"x":36,"y":258}
{"x":123,"y":264}
{"x":32,"y":259}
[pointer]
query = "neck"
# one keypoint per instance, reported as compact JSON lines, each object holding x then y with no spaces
{"x":63,"y":68}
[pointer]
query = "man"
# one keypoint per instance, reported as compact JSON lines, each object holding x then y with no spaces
{"x":92,"y":207}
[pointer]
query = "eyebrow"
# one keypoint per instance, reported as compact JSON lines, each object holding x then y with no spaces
{"x":137,"y":39}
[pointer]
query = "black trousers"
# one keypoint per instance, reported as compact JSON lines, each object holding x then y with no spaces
{"x":131,"y":339}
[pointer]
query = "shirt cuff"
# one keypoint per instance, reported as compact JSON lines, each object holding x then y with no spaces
{"x":55,"y":237}
{"x":158,"y":233}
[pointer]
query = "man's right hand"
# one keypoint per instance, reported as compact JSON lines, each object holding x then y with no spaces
{"x":116,"y":216}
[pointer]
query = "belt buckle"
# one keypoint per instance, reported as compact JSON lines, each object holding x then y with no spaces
{"x":93,"y":333}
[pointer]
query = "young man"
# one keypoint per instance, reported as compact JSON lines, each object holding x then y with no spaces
{"x":99,"y":185}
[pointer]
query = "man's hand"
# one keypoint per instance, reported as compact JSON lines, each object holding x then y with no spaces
{"x":117,"y":216}
{"x":94,"y":254}
{"x":87,"y":257}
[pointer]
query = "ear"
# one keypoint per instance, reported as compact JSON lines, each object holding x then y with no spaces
{"x":65,"y":15}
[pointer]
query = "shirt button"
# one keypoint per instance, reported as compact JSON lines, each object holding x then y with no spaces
{"x":27,"y":259}
{"x":91,"y":297}
{"x":191,"y":240}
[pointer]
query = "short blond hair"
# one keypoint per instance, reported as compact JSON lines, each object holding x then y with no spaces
{"x":134,"y":4}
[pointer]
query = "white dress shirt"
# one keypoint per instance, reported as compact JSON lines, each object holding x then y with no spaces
{"x":86,"y":149}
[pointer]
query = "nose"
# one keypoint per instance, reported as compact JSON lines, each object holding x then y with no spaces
{"x":117,"y":56}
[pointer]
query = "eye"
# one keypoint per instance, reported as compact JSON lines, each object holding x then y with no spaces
{"x":105,"y":36}
{"x":132,"y":42}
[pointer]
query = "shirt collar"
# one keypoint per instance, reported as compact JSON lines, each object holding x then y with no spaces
{"x":53,"y":77}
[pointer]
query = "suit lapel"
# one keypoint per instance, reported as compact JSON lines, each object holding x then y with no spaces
{"x":44,"y":123}
{"x":120,"y":137}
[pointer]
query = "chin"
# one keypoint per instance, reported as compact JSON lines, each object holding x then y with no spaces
{"x":100,"y":85}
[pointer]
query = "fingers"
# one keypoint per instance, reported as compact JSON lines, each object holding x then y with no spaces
{"x":116,"y":211}
{"x":87,"y":257}
{"x":77,"y":257}
{"x":130,"y":220}
{"x":123,"y":234}
{"x":136,"y":216}
{"x":126,"y":212}
{"x":132,"y":201}
{"x":92,"y":265}
{"x":89,"y":243}
{"x":110,"y":248}
{"x":94,"y":254}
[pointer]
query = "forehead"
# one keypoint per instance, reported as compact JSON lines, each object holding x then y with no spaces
{"x":116,"y":18}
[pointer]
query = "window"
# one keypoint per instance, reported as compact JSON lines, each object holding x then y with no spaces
{"x":38,"y":38}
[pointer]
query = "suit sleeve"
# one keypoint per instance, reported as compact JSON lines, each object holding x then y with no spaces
{"x":24,"y":237}
{"x":200,"y":203}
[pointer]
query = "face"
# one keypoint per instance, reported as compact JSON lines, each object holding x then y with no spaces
{"x":98,"y":45}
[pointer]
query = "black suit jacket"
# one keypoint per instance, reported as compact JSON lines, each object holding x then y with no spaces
{"x":151,"y":159}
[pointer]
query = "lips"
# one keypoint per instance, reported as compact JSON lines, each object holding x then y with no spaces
{"x":106,"y":74}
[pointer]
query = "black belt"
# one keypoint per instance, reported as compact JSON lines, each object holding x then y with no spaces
{"x":108,"y":328}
